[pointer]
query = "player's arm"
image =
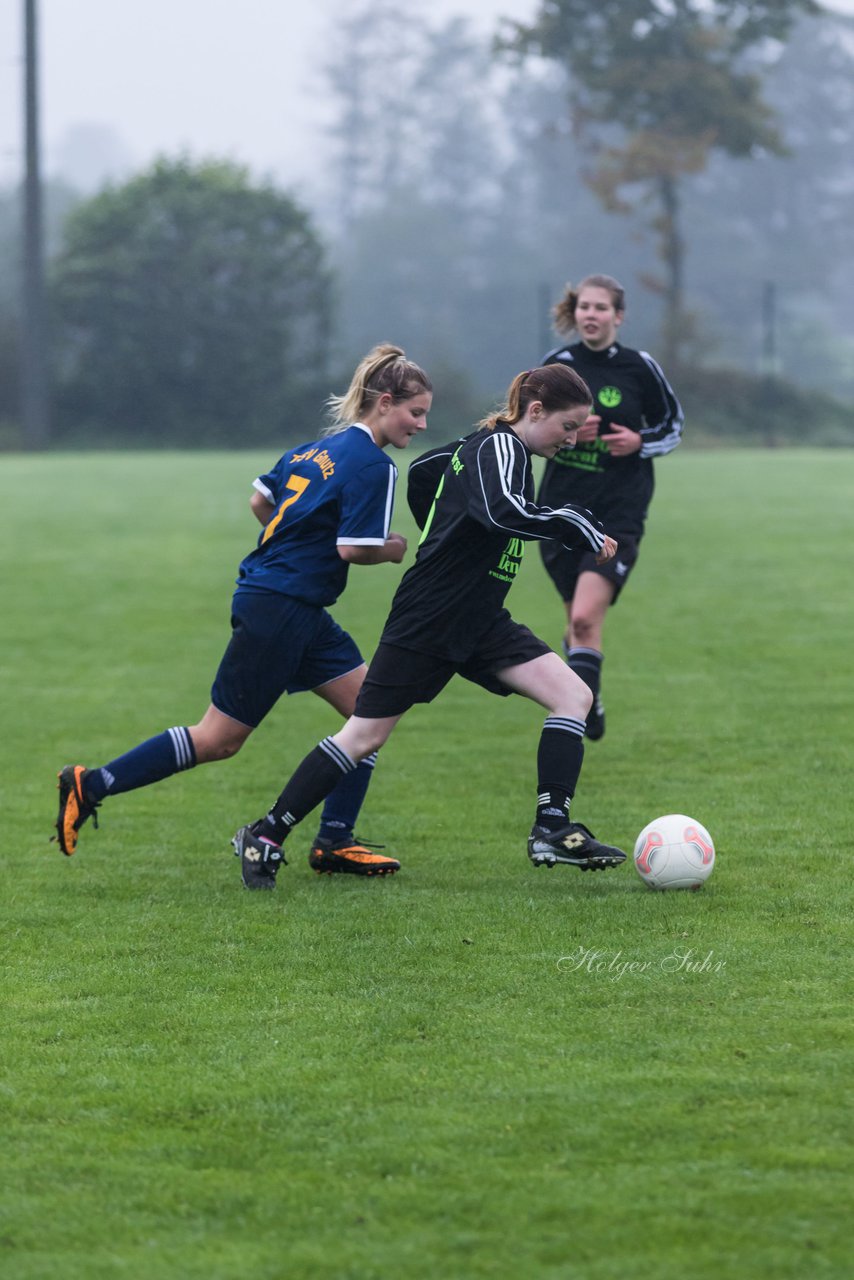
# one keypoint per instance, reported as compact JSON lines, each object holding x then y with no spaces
{"x":392,"y":551}
{"x":498,"y":499}
{"x":589,"y":429}
{"x":425,"y":472}
{"x":367,"y":501}
{"x":622,"y":441}
{"x":262,"y":509}
{"x":662,"y":412}
{"x":609,"y":550}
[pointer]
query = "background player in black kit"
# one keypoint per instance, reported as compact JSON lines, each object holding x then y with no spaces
{"x":448,"y":617}
{"x":636,"y":418}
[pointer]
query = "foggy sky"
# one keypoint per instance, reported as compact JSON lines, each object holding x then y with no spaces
{"x":124,"y":80}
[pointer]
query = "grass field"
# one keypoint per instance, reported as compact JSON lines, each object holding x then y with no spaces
{"x":473,"y":1069}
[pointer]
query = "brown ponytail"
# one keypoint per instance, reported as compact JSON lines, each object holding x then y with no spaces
{"x":556,"y":386}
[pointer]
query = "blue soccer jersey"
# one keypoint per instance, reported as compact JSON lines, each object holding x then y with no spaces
{"x":338,"y":490}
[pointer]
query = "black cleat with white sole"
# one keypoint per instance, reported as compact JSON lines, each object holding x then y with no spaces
{"x":260,"y":859}
{"x":574,"y":846}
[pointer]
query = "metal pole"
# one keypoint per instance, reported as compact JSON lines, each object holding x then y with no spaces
{"x":34,"y":396}
{"x":544,"y":328}
{"x":770,"y":363}
{"x":769,"y":329}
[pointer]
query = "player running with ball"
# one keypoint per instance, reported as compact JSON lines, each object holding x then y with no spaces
{"x":448,"y":617}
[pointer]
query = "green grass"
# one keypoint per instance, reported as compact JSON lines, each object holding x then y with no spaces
{"x":451,"y":1073}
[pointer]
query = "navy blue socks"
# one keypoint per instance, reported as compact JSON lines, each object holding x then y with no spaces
{"x":344,"y":803}
{"x":170,"y":752}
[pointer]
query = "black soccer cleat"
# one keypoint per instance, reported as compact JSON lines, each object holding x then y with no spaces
{"x":595,"y":727}
{"x":260,"y":859}
{"x":573,"y":845}
{"x":74,"y":808}
{"x":350,"y":857}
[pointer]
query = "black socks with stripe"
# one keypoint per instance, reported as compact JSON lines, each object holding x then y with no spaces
{"x":559,"y":757}
{"x":313,"y":780}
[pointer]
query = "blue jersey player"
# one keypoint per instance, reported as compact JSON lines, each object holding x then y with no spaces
{"x":325,"y":505}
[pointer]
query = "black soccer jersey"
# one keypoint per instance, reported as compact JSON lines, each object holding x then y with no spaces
{"x":630,"y":389}
{"x":423,"y":478}
{"x":474,"y":538}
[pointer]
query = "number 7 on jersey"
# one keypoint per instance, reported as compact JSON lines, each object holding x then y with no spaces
{"x":297,"y":485}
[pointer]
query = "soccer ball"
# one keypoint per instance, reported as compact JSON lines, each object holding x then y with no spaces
{"x":674,"y":852}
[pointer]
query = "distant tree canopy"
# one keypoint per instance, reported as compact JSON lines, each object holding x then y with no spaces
{"x":420,"y":198}
{"x":189,"y":307}
{"x":655,"y":88}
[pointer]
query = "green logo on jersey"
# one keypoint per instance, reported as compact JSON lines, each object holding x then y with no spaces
{"x":584,"y":457}
{"x":511,"y":558}
{"x":610,"y":397}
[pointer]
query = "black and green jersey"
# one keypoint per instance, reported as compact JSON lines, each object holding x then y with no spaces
{"x":474,"y":537}
{"x":630,"y":389}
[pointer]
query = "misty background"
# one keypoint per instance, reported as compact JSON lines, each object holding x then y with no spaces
{"x":240,"y":200}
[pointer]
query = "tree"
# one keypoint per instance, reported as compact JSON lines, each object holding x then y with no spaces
{"x":374,"y":57}
{"x":790,"y":225}
{"x":191,"y":307}
{"x":420,"y":121}
{"x":418,"y":185}
{"x":657,"y":86}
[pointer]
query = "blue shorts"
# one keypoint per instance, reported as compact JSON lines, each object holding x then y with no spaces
{"x":278,"y":645}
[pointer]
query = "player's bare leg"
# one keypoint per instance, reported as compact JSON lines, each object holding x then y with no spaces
{"x":582,"y":643}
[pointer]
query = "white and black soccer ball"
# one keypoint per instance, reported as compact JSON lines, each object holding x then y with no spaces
{"x":674,"y":852}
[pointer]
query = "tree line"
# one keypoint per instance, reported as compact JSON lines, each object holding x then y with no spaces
{"x":702,"y":153}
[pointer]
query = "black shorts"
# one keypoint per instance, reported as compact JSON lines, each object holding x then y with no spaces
{"x":564,"y":567}
{"x":398,"y":678}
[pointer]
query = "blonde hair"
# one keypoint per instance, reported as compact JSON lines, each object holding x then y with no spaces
{"x":563,"y":313}
{"x":556,"y":386}
{"x":384,"y":370}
